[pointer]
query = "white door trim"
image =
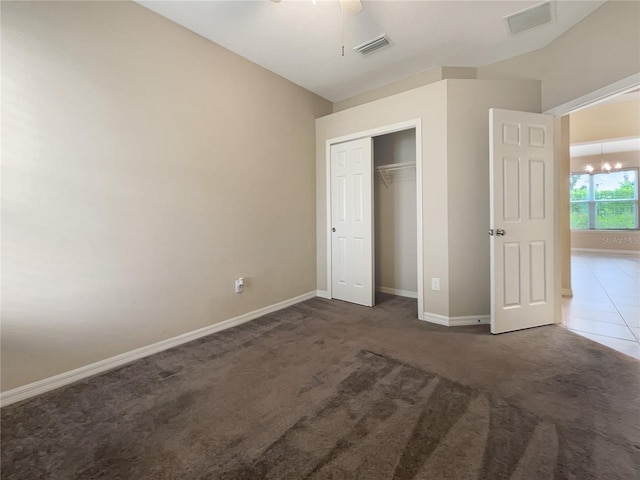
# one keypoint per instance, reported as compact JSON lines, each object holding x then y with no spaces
{"x":622,"y":86}
{"x":396,"y":127}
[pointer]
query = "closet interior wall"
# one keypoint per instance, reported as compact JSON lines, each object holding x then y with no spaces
{"x":395,"y":214}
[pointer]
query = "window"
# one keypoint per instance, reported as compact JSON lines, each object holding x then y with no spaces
{"x":604,"y":201}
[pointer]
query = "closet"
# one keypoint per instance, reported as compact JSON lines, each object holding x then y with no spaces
{"x":395,"y":219}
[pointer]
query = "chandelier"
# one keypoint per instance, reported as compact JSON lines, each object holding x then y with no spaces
{"x":605,"y":167}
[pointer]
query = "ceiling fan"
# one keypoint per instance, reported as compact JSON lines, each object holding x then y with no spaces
{"x":349,"y":7}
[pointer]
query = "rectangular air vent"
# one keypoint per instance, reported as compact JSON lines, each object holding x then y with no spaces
{"x":374,"y":45}
{"x":529,"y":18}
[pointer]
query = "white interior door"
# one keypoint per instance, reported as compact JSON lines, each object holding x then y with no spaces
{"x":352,"y":222}
{"x":522,"y":222}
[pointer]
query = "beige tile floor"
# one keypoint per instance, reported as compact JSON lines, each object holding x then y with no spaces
{"x":606,"y":300}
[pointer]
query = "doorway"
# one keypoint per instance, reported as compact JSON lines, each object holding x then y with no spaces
{"x":398,"y":148}
{"x":604,"y":239}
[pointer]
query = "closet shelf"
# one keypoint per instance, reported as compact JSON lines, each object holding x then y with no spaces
{"x":386,"y":171}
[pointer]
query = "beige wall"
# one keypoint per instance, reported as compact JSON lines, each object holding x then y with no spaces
{"x":602,"y":122}
{"x":455,"y":159}
{"x":468,"y":104}
{"x":561,"y":153}
{"x":429,"y":104}
{"x":415,"y":81}
{"x":144,"y":169}
{"x":605,"y":122}
{"x":599,"y":51}
{"x":395,"y":214}
{"x":615,"y":241}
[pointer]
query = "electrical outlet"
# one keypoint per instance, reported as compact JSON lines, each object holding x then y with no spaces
{"x":435,"y":284}
{"x":239,"y":285}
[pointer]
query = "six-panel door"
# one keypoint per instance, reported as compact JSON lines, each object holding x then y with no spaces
{"x":352,"y":222}
{"x":522,"y":219}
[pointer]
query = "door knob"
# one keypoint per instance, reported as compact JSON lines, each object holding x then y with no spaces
{"x":490,"y":232}
{"x":500,"y":232}
{"x":333,"y":229}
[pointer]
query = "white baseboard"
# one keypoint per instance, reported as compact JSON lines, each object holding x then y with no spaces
{"x":435,"y":318}
{"x":469,"y":320}
{"x":606,"y":250}
{"x":395,"y":291}
{"x":66,"y":378}
{"x":323,"y":294}
{"x":456,"y":321}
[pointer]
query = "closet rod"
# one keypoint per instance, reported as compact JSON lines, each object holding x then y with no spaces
{"x":385,"y":170}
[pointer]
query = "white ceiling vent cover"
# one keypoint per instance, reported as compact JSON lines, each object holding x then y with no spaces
{"x":529,"y":18}
{"x":381,"y":41}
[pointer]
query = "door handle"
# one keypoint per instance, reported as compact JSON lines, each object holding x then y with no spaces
{"x":490,"y":232}
{"x":333,"y":229}
{"x":500,"y":232}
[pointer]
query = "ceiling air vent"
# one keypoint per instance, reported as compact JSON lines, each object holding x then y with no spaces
{"x":374,"y":45}
{"x":529,"y":18}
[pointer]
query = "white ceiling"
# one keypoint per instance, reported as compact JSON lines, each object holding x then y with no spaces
{"x":605,"y":147}
{"x":301,"y":41}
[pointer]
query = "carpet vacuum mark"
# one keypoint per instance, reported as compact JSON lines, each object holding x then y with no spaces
{"x":391,"y":420}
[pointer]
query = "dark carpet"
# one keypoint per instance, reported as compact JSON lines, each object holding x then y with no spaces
{"x":330,"y":390}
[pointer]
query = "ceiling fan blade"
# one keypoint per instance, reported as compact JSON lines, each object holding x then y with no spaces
{"x":351,"y":7}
